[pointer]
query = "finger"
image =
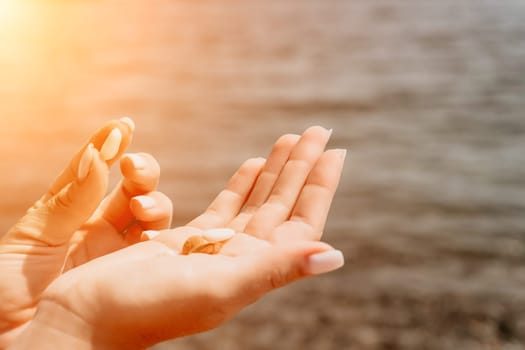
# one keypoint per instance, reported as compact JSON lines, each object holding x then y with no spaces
{"x":230,"y":201}
{"x":266,"y":180}
{"x":316,"y":197}
{"x":276,"y":160}
{"x":103,"y":139}
{"x":152,"y":211}
{"x":141,"y":173}
{"x":281,"y":201}
{"x":53,"y":222}
{"x":256,"y":275}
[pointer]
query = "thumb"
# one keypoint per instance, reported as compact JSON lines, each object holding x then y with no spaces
{"x":283,"y":264}
{"x":53,"y":219}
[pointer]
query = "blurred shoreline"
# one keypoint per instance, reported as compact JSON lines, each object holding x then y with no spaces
{"x":426,"y":95}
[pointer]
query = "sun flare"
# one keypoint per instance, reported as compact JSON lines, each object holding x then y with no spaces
{"x":10,"y":11}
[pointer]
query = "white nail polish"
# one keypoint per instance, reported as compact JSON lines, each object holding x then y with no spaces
{"x":85,"y":163}
{"x":171,"y":252}
{"x":138,"y":161}
{"x":111,"y":146}
{"x":145,"y":202}
{"x":150,"y":234}
{"x":324,"y":262}
{"x":218,"y":234}
{"x":129,"y":122}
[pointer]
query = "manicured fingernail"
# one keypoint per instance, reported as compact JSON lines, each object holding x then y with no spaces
{"x":342,"y":153}
{"x":330,"y":132}
{"x":138,"y":161}
{"x":129,"y":122}
{"x":85,"y":163}
{"x":150,"y":234}
{"x":218,"y":234}
{"x":145,"y":202}
{"x":324,"y":262}
{"x":112,"y":144}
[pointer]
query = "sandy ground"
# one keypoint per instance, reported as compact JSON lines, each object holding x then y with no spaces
{"x":426,"y":95}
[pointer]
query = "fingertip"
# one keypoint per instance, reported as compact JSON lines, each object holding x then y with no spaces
{"x":316,"y":131}
{"x":257,"y":162}
{"x":140,"y":161}
{"x":324,"y":262}
{"x":132,"y":161}
{"x":338,"y":152}
{"x":286,"y":141}
{"x":111,"y":145}
{"x":342,"y":153}
{"x":141,"y":172}
{"x":113,"y":138}
{"x":142,"y":203}
{"x":154,"y":209}
{"x":288,"y":138}
{"x":128,"y":122}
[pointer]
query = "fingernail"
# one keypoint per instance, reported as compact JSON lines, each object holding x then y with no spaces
{"x":219,"y":234}
{"x":85,"y":163}
{"x":145,"y":202}
{"x":324,"y":262}
{"x":129,"y":122}
{"x":138,"y":161}
{"x":342,"y":153}
{"x":111,"y":146}
{"x":330,"y":132}
{"x":150,"y":234}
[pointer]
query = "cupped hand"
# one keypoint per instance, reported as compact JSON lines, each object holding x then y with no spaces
{"x":150,"y":292}
{"x":73,"y":223}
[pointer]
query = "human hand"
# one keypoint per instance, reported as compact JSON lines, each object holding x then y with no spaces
{"x":149,"y":292}
{"x":69,"y":225}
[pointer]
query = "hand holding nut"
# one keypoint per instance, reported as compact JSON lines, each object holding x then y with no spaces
{"x":210,"y":242}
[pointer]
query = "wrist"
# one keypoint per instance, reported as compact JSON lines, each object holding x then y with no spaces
{"x":55,"y":327}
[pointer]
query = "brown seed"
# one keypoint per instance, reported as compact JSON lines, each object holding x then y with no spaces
{"x":208,"y":248}
{"x":198,"y":244}
{"x":192,"y":243}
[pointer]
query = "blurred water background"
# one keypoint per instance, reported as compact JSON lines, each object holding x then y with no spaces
{"x":428,"y":97}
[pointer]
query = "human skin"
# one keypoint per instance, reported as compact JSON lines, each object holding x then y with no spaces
{"x":149,"y":292}
{"x":70,"y":225}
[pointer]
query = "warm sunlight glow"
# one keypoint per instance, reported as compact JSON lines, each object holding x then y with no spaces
{"x":9,"y":11}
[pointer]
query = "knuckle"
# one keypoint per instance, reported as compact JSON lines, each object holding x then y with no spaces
{"x":62,"y":200}
{"x":278,"y":279}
